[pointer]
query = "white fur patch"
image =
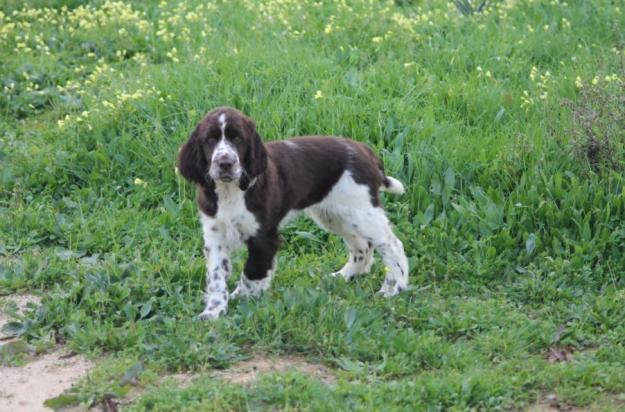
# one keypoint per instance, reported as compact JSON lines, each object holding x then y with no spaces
{"x":222,"y":125}
{"x":234,"y":222}
{"x":252,"y":288}
{"x":348,"y":212}
{"x":395,"y":186}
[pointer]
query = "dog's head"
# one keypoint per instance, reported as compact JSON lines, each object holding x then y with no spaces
{"x":223,"y":147}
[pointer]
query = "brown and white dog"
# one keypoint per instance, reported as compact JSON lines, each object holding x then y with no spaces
{"x":246,"y":190}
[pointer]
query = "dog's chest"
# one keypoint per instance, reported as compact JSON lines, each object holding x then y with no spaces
{"x":233,"y":219}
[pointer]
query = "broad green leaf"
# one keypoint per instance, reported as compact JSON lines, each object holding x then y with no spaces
{"x":530,"y":244}
{"x":16,"y":347}
{"x":450,"y":178}
{"x":13,"y":328}
{"x":131,"y":374}
{"x":145,"y":309}
{"x":61,"y":401}
{"x":350,"y":317}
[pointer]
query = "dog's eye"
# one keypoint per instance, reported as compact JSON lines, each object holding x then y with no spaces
{"x":237,"y":139}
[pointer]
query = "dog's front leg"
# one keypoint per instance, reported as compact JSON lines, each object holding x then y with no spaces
{"x":217,"y":273}
{"x":218,"y":269}
{"x":259,"y":267}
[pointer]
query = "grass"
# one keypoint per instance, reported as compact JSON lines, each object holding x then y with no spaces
{"x":514,"y":235}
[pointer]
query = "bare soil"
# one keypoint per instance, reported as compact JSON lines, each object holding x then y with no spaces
{"x":25,"y":388}
{"x":249,"y":370}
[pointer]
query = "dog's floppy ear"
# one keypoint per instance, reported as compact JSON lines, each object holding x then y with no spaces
{"x":191,"y":161}
{"x":255,"y":161}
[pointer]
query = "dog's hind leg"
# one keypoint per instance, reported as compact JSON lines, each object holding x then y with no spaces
{"x":360,"y":257}
{"x":376,"y":229}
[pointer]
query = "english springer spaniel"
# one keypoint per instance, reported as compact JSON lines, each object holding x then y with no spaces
{"x":246,"y":190}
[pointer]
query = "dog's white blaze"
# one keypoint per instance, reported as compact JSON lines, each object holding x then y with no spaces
{"x":224,"y":148}
{"x":222,"y":125}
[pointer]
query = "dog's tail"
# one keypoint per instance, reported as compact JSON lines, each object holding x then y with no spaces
{"x":389,"y":184}
{"x":392,"y":185}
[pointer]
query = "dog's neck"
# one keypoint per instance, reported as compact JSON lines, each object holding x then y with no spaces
{"x":230,"y":190}
{"x":227,"y":190}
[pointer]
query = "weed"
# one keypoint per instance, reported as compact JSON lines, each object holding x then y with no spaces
{"x":467,"y":7}
{"x":598,"y":131}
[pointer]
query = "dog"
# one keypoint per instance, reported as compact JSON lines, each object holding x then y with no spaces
{"x":247,"y":189}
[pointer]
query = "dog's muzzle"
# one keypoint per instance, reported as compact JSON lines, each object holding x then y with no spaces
{"x":225,"y":167}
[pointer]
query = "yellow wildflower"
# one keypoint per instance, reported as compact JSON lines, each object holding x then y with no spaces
{"x":578,"y":82}
{"x":173,"y":55}
{"x":565,"y":23}
{"x":140,"y":182}
{"x":611,"y":78}
{"x":533,"y":73}
{"x":526,"y":100}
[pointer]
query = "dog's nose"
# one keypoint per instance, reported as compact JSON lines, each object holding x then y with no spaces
{"x":225,"y":163}
{"x":225,"y":166}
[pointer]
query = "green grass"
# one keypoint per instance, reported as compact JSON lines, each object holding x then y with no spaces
{"x":515,"y":239}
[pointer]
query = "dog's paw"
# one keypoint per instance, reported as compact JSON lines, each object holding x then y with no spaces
{"x":250,"y":288}
{"x":391,"y":288}
{"x":238,"y":293}
{"x":245,"y":292}
{"x":343,"y":274}
{"x":214,"y":309}
{"x":210,"y":314}
{"x":244,"y":289}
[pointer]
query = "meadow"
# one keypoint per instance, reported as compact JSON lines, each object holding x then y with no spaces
{"x":506,"y":125}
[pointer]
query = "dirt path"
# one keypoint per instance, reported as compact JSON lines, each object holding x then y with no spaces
{"x":25,"y":388}
{"x":249,"y":370}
